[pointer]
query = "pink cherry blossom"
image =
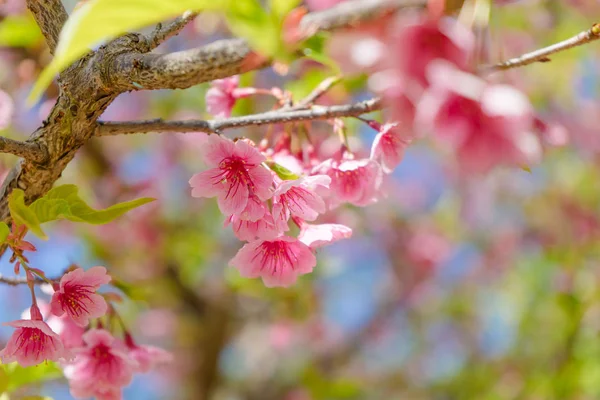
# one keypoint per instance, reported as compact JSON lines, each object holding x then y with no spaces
{"x":234,"y":176}
{"x":100,"y":368}
{"x":222,"y":95}
{"x":33,"y":342}
{"x":279,"y":262}
{"x":146,"y":357}
{"x":324,"y":234}
{"x":484,"y":124}
{"x":356,"y":182}
{"x":388,"y":147}
{"x":298,"y":198}
{"x":7,"y":109}
{"x":69,"y":332}
{"x":263,"y":228}
{"x":76,"y":295}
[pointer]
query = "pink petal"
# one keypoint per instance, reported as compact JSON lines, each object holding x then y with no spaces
{"x":203,"y":183}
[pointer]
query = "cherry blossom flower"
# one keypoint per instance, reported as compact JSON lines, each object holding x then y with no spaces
{"x":101,"y":368}
{"x":264,"y":228}
{"x":278,"y":262}
{"x":235,"y":175}
{"x":324,"y":234}
{"x":388,"y":146}
{"x":299,"y":198}
{"x":76,"y":295}
{"x":146,"y":357}
{"x":484,"y":124}
{"x":223,"y":94}
{"x":356,"y":182}
{"x":33,"y":342}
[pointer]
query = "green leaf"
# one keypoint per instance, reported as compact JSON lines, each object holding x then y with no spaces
{"x":22,"y":214}
{"x":282,"y":7}
{"x":19,"y":31}
{"x":4,"y":380}
{"x":4,"y":231}
{"x":63,"y":202}
{"x":20,"y":376}
{"x":282,"y":172}
{"x":248,"y":19}
{"x":99,"y":20}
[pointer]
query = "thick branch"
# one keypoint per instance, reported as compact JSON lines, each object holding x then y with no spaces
{"x":542,"y":55}
{"x":225,"y":58}
{"x":28,"y":150}
{"x":50,"y":16}
{"x":218,"y":125}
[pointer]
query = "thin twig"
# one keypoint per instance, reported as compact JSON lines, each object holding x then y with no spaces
{"x":19,"y":281}
{"x":319,"y":91}
{"x":542,"y":55}
{"x":28,"y":150}
{"x":218,"y":125}
{"x":162,"y":33}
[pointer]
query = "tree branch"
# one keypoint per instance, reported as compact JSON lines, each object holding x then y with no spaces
{"x":317,"y":92}
{"x":225,"y":58}
{"x":218,"y":125}
{"x":50,"y":16}
{"x":28,"y":150}
{"x":162,"y":33}
{"x":541,"y":55}
{"x":19,"y":281}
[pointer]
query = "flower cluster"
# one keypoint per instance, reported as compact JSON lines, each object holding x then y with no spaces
{"x":96,"y":363}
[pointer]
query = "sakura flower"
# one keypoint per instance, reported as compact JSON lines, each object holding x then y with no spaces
{"x":222,"y":95}
{"x":484,"y":124}
{"x":235,"y":175}
{"x":76,"y":295}
{"x":263,"y":228}
{"x":69,"y":333}
{"x":356,"y":182}
{"x":388,"y":147}
{"x":33,"y":342}
{"x":279,"y":262}
{"x":101,"y":368}
{"x":298,"y":198}
{"x":146,"y":357}
{"x":321,"y":235}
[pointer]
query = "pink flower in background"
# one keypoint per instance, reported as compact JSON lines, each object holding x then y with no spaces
{"x":69,"y":332}
{"x":318,"y":5}
{"x":7,"y":109}
{"x":146,"y":357}
{"x":236,"y":173}
{"x":76,"y":295}
{"x":299,"y":198}
{"x":484,"y":124}
{"x":101,"y":368}
{"x":33,"y":342}
{"x":353,"y":181}
{"x":324,"y":234}
{"x":246,"y":230}
{"x":279,"y":262}
{"x":223,"y":94}
{"x":388,"y":147}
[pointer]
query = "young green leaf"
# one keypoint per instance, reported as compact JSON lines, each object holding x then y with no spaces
{"x":23,"y":215}
{"x":282,"y":172}
{"x":282,"y":7}
{"x":4,"y":231}
{"x":63,"y":202}
{"x":100,"y":20}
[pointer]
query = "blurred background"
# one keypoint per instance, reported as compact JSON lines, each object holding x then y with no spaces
{"x":451,"y":287}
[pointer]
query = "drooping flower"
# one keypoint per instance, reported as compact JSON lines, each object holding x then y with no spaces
{"x":146,"y":357}
{"x":356,"y":182}
{"x":278,"y":262}
{"x":484,"y":124}
{"x":76,"y":295}
{"x":249,"y":231}
{"x":223,"y":94}
{"x":235,"y":175}
{"x":101,"y":368}
{"x":299,"y":198}
{"x":388,"y":147}
{"x":324,"y":234}
{"x":33,"y":342}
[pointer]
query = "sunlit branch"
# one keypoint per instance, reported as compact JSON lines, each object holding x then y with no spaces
{"x":18,"y":281}
{"x":50,"y":15}
{"x":218,"y":125}
{"x":319,"y":91}
{"x":28,"y":150}
{"x":163,"y":32}
{"x":542,"y":55}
